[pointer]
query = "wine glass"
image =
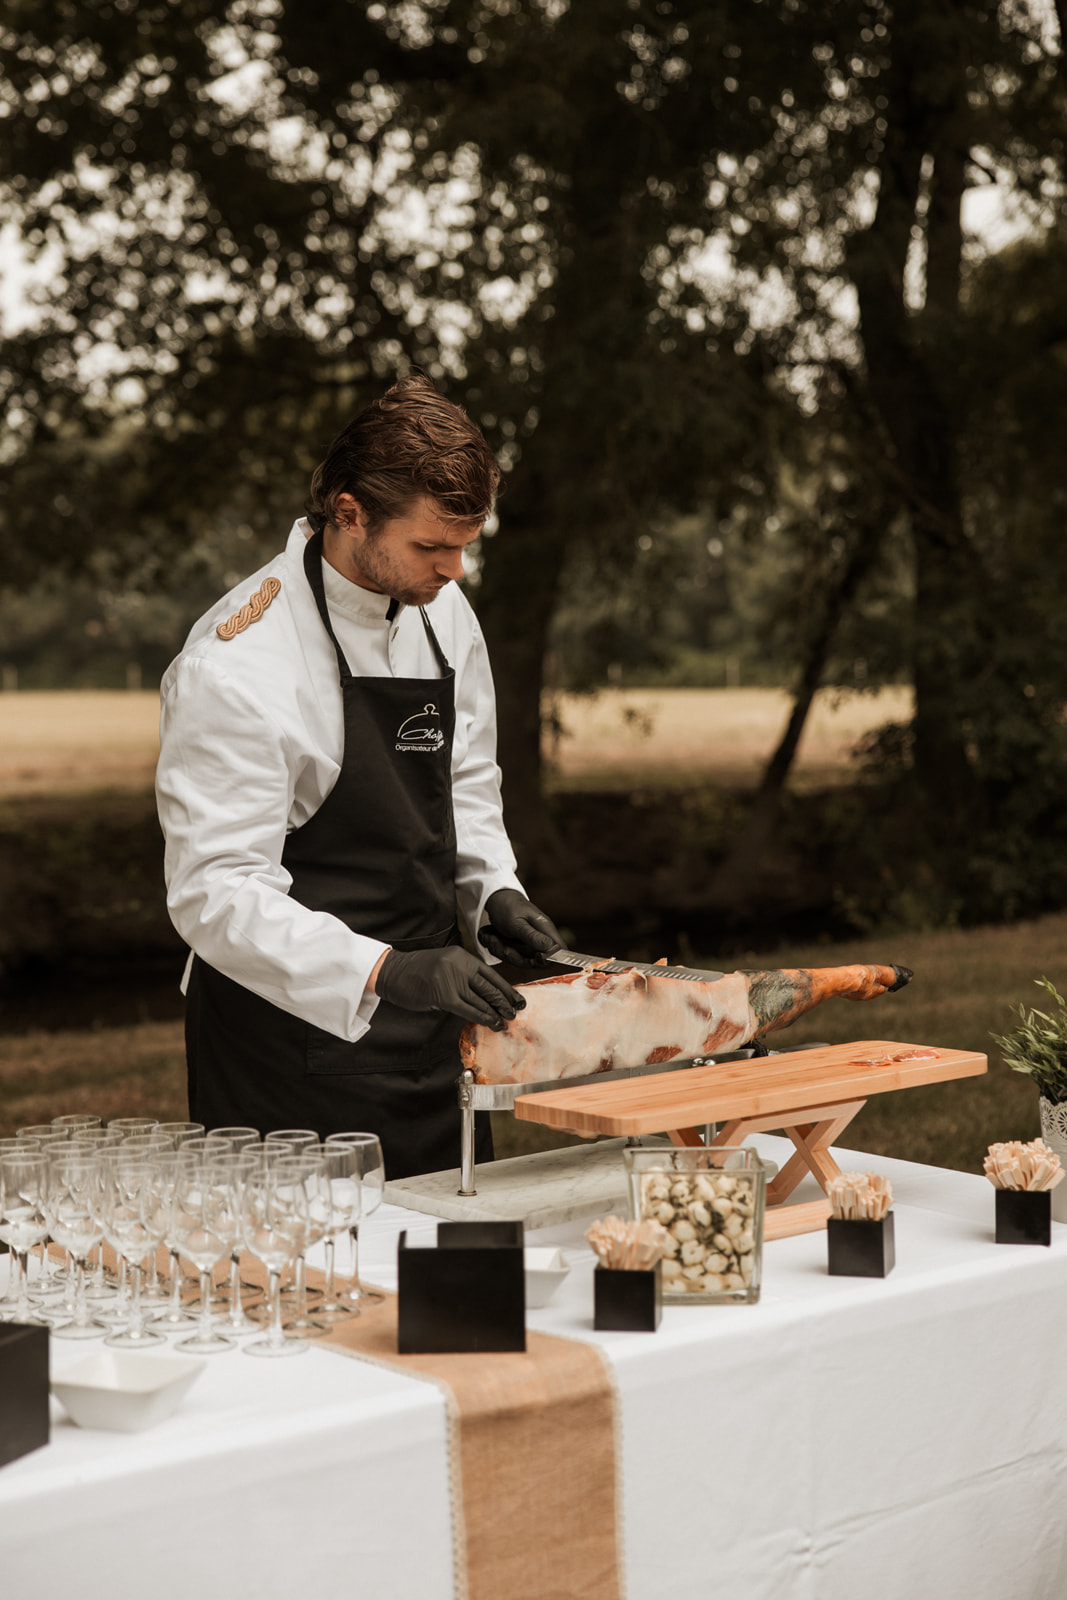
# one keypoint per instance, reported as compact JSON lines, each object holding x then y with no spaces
{"x":239,"y":1166}
{"x":174,"y":1316}
{"x":23,"y":1223}
{"x":371,"y":1168}
{"x":127,"y":1125}
{"x":341,"y":1162}
{"x":296,"y":1138}
{"x":313,"y":1176}
{"x":13,"y":1147}
{"x":149,"y":1145}
{"x":240,"y":1138}
{"x":134,"y":1215}
{"x":204,"y":1224}
{"x":81,"y":1119}
{"x":179,"y":1132}
{"x":73,"y":1207}
{"x":208,"y":1144}
{"x":43,"y":1138}
{"x":275,"y":1225}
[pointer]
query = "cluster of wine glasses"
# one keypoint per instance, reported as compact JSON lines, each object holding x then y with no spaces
{"x":206,"y":1196}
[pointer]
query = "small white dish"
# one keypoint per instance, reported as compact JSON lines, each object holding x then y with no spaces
{"x":123,"y":1391}
{"x":546,"y":1269}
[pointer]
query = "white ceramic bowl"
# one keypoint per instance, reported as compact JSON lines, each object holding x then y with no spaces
{"x":546,"y":1269}
{"x":123,"y":1391}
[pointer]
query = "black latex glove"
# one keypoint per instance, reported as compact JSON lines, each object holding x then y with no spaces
{"x":517,"y":931}
{"x":447,"y":980}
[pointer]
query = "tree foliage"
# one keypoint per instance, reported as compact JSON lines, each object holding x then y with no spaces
{"x":678,"y":258}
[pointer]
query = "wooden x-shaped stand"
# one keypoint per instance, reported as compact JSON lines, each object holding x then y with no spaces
{"x":812,"y":1095}
{"x":813,"y":1129}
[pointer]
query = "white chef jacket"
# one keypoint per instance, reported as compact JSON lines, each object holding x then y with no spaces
{"x":252,"y":737}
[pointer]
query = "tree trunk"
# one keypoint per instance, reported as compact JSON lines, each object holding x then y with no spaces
{"x":516,"y":600}
{"x":908,"y":360}
{"x":738,"y":876}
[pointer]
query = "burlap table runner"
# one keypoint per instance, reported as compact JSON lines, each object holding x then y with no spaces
{"x":533,"y":1461}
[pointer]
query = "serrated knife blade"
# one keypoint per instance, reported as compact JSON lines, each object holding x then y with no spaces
{"x":574,"y":958}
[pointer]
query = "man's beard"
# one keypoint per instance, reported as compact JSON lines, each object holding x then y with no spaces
{"x":374,"y":563}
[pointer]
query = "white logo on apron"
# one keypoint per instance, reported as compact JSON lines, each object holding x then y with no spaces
{"x":422,"y":732}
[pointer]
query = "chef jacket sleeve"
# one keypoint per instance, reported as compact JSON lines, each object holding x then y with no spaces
{"x":485,"y":861}
{"x":224,"y":787}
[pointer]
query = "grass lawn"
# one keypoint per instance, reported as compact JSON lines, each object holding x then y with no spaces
{"x":966,"y":983}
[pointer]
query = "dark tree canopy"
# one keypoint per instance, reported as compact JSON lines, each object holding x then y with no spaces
{"x":674,"y":257}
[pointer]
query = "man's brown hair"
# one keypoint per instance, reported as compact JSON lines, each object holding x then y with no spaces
{"x":409,"y":443}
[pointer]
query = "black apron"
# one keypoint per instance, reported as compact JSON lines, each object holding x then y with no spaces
{"x":379,"y":854}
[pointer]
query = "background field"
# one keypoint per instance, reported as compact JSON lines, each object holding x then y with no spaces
{"x":53,"y":742}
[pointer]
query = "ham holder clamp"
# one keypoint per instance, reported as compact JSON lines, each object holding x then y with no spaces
{"x":676,"y":1050}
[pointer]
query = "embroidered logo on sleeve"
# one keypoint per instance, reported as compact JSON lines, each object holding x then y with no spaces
{"x":251,"y":612}
{"x":422,"y":731}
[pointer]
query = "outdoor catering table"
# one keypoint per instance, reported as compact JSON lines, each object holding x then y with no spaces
{"x":904,"y":1437}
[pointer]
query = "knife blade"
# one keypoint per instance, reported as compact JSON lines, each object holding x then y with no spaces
{"x":574,"y":958}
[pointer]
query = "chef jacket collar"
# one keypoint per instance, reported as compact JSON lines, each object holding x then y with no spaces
{"x":363,"y":606}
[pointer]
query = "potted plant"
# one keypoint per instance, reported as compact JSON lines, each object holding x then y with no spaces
{"x":1038,"y":1047}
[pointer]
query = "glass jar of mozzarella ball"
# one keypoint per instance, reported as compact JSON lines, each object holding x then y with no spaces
{"x":711,"y":1203}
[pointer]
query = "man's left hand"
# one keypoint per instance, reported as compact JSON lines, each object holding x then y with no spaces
{"x":517,"y":931}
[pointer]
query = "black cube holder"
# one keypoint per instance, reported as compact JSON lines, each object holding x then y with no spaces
{"x":860,"y":1249}
{"x":1024,"y":1216}
{"x":627,"y":1301}
{"x":24,"y":1420}
{"x":467,"y":1294}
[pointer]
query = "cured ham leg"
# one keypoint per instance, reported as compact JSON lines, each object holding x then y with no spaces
{"x":595,"y":1021}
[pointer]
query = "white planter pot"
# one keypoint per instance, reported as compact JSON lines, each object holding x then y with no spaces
{"x":1054,"y":1133}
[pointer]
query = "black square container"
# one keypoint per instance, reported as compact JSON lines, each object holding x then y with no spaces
{"x":627,"y":1302}
{"x":467,"y":1294}
{"x":860,"y":1249}
{"x":24,"y":1422}
{"x":1024,"y":1216}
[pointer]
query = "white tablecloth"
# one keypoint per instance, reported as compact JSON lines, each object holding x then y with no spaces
{"x":906,"y":1437}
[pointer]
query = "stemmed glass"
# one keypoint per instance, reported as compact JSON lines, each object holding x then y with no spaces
{"x":135,"y":1220}
{"x":73,"y":1207}
{"x":73,"y":1125}
{"x":204,"y":1225}
{"x":313,"y":1171}
{"x":183,"y":1135}
{"x":13,"y":1147}
{"x":275,"y":1226}
{"x":296,"y":1138}
{"x":371,"y":1169}
{"x":42,"y":1137}
{"x":23,"y":1223}
{"x":241,"y":1163}
{"x":342,"y":1175}
{"x":179,"y":1132}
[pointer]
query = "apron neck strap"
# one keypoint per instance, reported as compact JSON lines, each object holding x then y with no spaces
{"x":442,"y":659}
{"x":313,"y":571}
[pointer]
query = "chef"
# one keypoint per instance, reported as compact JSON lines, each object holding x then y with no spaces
{"x":329,"y":796}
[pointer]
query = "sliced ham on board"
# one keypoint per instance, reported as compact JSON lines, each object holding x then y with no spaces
{"x":594,"y":1021}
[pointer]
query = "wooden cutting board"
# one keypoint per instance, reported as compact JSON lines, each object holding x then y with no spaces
{"x":763,"y":1086}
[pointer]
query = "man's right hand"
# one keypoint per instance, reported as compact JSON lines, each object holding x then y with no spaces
{"x":447,"y":980}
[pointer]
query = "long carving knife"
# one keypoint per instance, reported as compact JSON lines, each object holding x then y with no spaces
{"x":574,"y":958}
